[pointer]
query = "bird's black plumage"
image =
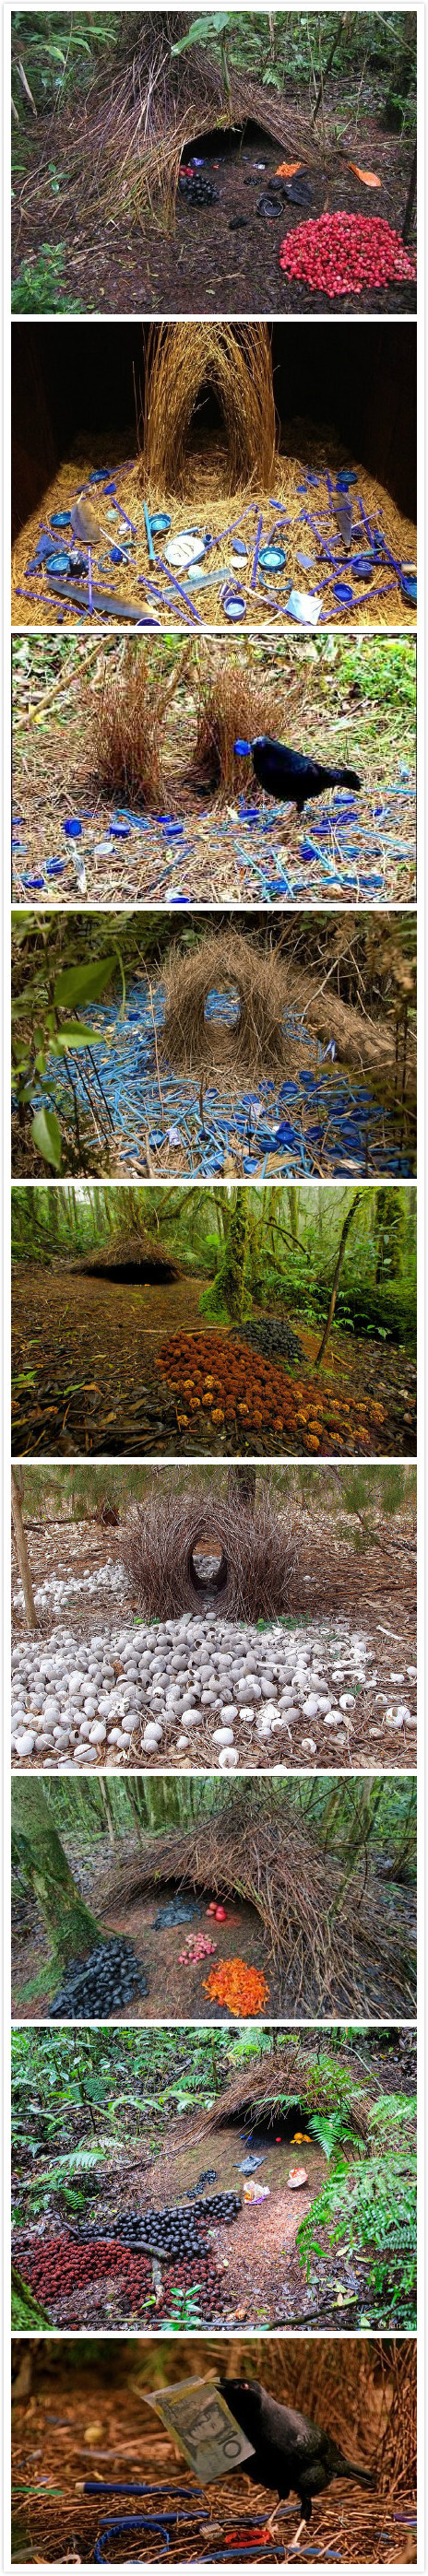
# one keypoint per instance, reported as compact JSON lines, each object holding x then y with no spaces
{"x":289,"y":2450}
{"x":290,"y":776}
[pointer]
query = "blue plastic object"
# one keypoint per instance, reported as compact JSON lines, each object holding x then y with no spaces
{"x":57,"y":563}
{"x":72,"y":828}
{"x":55,"y":867}
{"x":61,"y":519}
{"x":272,"y":558}
{"x":242,"y":749}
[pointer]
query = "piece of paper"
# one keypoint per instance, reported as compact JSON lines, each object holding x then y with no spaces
{"x":197,"y":2415}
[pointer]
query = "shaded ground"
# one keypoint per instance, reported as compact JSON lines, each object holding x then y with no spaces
{"x":80,"y":1348}
{"x":65,"y":2431}
{"x":173,"y":1990}
{"x":204,"y":264}
{"x":223,"y":857}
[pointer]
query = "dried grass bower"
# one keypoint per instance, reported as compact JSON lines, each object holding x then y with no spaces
{"x":127,"y":721}
{"x":255,"y":1548}
{"x":184,"y":362}
{"x":256,"y":1043}
{"x":330,"y":1946}
{"x":230,"y":703}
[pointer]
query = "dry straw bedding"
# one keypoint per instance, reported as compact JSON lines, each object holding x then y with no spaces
{"x":327,"y":1945}
{"x":208,"y":503}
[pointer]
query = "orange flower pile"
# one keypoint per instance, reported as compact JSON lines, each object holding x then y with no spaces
{"x":243,"y":1989}
{"x":225,"y":1383}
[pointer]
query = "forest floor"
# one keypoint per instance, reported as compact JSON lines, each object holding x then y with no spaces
{"x":175,"y":1989}
{"x":258,"y":2279}
{"x":222,"y":857}
{"x":357,"y":1590}
{"x":81,"y":1346}
{"x":204,"y":264}
{"x":70,"y":2427}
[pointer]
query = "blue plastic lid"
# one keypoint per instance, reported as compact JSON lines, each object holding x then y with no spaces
{"x":120,"y":831}
{"x":159,"y":522}
{"x":343,"y":592}
{"x":33,"y":882}
{"x":272,"y":558}
{"x":57,"y":563}
{"x":72,"y":828}
{"x":242,"y":749}
{"x":234,"y":606}
{"x":55,"y":867}
{"x":60,"y":519}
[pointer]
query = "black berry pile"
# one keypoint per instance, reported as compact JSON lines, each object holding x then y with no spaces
{"x":199,"y":192}
{"x":103,"y":1983}
{"x":176,"y":2231}
{"x":273,"y":1338}
{"x":179,"y":1909}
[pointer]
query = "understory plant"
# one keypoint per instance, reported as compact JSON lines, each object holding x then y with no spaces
{"x":368,"y":2208}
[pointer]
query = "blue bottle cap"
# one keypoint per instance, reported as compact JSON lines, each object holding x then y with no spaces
{"x":57,"y":563}
{"x":120,"y":831}
{"x":33,"y":883}
{"x":343,"y":592}
{"x":234,"y":605}
{"x":72,"y":827}
{"x":242,"y":749}
{"x":159,"y":522}
{"x":409,"y":587}
{"x":55,"y":867}
{"x":60,"y":519}
{"x":272,"y":558}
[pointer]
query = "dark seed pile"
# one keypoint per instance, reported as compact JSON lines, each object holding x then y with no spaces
{"x":100,"y":1984}
{"x":180,"y":1909}
{"x":167,"y":2231}
{"x":199,"y":192}
{"x":272,"y":1338}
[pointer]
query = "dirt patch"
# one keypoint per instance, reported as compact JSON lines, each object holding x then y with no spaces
{"x":79,"y":1347}
{"x":175,"y":1990}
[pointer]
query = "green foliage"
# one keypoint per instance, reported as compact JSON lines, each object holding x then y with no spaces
{"x":40,"y":285}
{"x":40,"y":1032}
{"x":368,"y":2207}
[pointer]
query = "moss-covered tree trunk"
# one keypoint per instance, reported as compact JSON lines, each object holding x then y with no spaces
{"x":390,"y":1230}
{"x":71,"y":1928}
{"x":25,"y":2310}
{"x":234,"y":1275}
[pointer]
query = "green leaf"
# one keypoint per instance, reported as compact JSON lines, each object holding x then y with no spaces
{"x":82,"y":983}
{"x":73,"y":1034}
{"x":46,"y":1135}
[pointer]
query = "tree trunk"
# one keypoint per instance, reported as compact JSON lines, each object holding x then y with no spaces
{"x":71,"y":1928}
{"x":235,"y":1271}
{"x":22,"y":1554}
{"x":241,"y":1487}
{"x":342,"y":1246}
{"x":410,"y":200}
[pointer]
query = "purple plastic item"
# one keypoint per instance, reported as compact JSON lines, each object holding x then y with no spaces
{"x":259,"y":532}
{"x":177,"y":585}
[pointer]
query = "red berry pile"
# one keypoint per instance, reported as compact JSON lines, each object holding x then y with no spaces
{"x":343,"y":254}
{"x":57,"y":2266}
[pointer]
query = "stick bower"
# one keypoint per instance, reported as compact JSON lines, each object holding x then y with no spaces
{"x":328,"y":1947}
{"x":256,"y":1554}
{"x":186,"y":361}
{"x":256,"y":1044}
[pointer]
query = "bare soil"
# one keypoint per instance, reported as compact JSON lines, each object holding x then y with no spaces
{"x":81,"y":1345}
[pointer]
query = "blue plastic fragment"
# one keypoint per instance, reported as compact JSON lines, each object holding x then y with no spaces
{"x":72,"y":827}
{"x":61,"y":519}
{"x":34,"y":883}
{"x":55,"y":867}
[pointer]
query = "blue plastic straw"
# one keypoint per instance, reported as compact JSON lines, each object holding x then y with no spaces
{"x":177,"y":585}
{"x":152,"y":556}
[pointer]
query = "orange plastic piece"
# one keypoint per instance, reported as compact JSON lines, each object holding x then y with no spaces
{"x":287,"y":169}
{"x":368,"y":177}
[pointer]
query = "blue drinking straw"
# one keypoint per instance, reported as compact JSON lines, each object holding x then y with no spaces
{"x":152,"y":556}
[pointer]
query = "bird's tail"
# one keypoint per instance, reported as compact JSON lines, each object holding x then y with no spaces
{"x":348,"y":2469}
{"x":345,"y":778}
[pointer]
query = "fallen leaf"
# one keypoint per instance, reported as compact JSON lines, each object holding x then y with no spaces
{"x":287,"y":169}
{"x":368,"y":176}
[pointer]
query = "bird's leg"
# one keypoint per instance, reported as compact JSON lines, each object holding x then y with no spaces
{"x":302,"y":2526}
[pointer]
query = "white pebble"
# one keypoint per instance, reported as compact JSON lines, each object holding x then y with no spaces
{"x":24,"y":1745}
